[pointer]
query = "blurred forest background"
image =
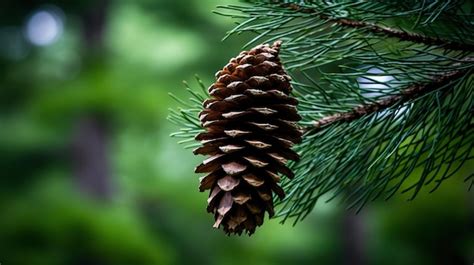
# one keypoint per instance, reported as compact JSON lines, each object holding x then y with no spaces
{"x":90,"y":176}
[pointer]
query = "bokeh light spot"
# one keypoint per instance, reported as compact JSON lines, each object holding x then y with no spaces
{"x":375,"y":79}
{"x":44,"y":27}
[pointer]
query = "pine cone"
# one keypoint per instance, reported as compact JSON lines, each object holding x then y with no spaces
{"x":250,"y":123}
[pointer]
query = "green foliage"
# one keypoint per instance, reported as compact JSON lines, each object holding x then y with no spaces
{"x":60,"y":231}
{"x":417,"y":142}
{"x":187,"y":115}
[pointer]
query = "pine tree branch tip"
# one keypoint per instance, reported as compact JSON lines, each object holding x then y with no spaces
{"x":379,"y":29}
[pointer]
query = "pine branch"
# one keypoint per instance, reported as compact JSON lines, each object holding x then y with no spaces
{"x":387,"y":110}
{"x":411,"y":92}
{"x":380,"y":152}
{"x":378,"y":29}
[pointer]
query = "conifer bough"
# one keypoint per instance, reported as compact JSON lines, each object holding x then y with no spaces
{"x":385,"y":94}
{"x":250,"y":123}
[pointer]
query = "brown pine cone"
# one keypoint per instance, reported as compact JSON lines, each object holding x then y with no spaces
{"x":250,"y":123}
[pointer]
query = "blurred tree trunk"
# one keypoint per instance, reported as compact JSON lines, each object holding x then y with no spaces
{"x":90,"y":158}
{"x":91,"y":163}
{"x":354,"y":244}
{"x":94,"y":20}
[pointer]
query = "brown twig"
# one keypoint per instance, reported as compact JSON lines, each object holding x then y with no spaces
{"x":411,"y":92}
{"x":390,"y":32}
